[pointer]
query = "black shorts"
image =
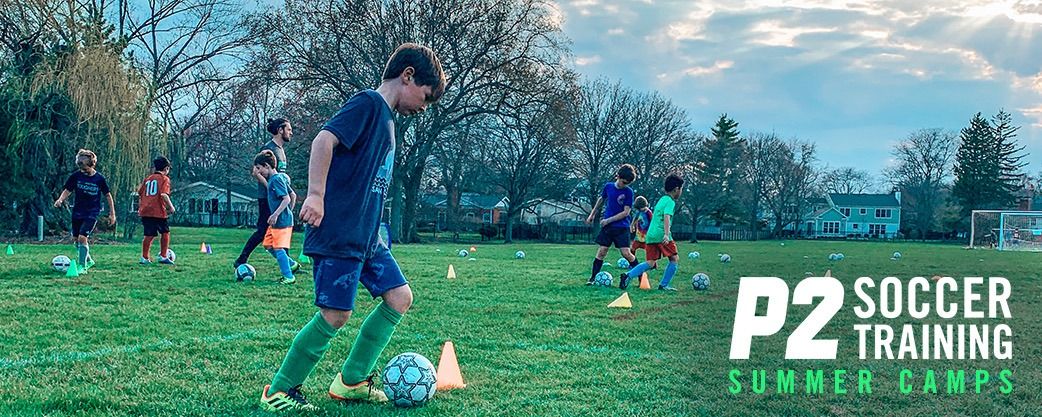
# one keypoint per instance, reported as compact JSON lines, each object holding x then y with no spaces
{"x":619,"y":236}
{"x":83,"y":227}
{"x":154,"y":226}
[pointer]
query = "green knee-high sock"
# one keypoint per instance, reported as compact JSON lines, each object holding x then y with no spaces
{"x":83,"y":252}
{"x":372,"y":337}
{"x":307,"y":349}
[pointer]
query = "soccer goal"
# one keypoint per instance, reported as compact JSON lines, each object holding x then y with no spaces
{"x":1006,"y":230}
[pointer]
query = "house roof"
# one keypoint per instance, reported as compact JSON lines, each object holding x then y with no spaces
{"x":237,"y":191}
{"x":468,"y":200}
{"x":864,"y":200}
{"x":821,"y":213}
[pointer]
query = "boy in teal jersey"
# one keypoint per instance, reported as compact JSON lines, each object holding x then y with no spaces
{"x":660,"y":238}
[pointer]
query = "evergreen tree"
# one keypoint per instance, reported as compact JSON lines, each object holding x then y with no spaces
{"x":975,"y":167}
{"x":1009,"y":158}
{"x":717,"y":174}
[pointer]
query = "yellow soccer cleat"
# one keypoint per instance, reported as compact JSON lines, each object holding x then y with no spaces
{"x":362,"y":391}
{"x":291,"y":400}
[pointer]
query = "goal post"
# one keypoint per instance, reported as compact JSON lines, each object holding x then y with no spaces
{"x":1006,"y":230}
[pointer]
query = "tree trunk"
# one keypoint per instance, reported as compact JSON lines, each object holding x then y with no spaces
{"x":510,"y":227}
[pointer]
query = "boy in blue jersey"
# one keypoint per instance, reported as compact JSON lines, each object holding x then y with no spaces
{"x":348,"y":175}
{"x":88,"y":185}
{"x":617,"y":197}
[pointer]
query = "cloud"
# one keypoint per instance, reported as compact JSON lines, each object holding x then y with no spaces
{"x":716,"y":68}
{"x":583,"y":61}
{"x":832,"y":71}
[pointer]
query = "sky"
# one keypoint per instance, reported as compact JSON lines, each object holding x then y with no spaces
{"x":854,"y":77}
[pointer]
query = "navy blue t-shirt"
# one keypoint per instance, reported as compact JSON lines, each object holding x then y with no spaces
{"x":615,"y":200}
{"x":88,"y":190}
{"x":278,"y":187}
{"x":359,"y":175}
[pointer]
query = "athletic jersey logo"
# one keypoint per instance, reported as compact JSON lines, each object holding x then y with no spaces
{"x":383,"y":176}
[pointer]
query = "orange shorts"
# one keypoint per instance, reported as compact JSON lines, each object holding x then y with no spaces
{"x":655,"y":251}
{"x":278,"y":238}
{"x":637,"y":245}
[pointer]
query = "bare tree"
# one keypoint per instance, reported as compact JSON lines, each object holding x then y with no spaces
{"x":791,"y":184}
{"x":922,"y":169}
{"x":479,"y":42}
{"x":847,"y":180}
{"x":760,"y":163}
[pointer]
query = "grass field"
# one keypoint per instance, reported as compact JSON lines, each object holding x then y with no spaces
{"x":531,"y":339}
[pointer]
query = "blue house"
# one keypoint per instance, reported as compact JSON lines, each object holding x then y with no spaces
{"x":854,"y":216}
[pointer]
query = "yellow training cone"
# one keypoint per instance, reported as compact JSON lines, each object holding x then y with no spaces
{"x":449,"y":375}
{"x":452,"y":273}
{"x":622,"y":302}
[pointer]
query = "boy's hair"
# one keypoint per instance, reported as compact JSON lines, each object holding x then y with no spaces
{"x":275,"y":124}
{"x":160,"y":163}
{"x":673,"y":181}
{"x":265,"y":157}
{"x":426,"y":65}
{"x":640,"y":203}
{"x":86,"y":159}
{"x":627,"y":172}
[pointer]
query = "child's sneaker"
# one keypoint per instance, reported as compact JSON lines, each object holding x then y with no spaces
{"x":624,"y":281}
{"x":165,"y":261}
{"x":589,"y":282}
{"x":287,"y":280}
{"x":362,"y":391}
{"x":90,"y":263}
{"x":295,"y":267}
{"x":666,"y":288}
{"x":291,"y":400}
{"x":145,"y":261}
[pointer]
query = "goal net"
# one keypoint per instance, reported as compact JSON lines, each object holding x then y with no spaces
{"x":1006,"y":230}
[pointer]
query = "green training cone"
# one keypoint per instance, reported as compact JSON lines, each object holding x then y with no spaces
{"x":10,"y":250}
{"x":73,"y":271}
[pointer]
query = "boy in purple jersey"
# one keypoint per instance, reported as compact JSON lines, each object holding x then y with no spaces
{"x":617,"y":197}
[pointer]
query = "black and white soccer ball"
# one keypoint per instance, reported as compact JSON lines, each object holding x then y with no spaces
{"x":409,"y":380}
{"x":700,"y":282}
{"x":603,"y":279}
{"x":61,"y":263}
{"x":245,"y":272}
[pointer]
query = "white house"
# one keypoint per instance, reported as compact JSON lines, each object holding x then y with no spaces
{"x":204,"y":204}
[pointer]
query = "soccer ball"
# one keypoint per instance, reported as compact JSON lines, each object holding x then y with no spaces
{"x":463,"y":253}
{"x":603,"y":279}
{"x":833,"y":257}
{"x":245,"y":272}
{"x":897,"y":255}
{"x":171,"y":255}
{"x":693,"y":255}
{"x":839,"y":256}
{"x":700,"y":282}
{"x":61,"y":263}
{"x":409,"y":380}
{"x":725,"y":258}
{"x":623,"y":263}
{"x":519,"y":255}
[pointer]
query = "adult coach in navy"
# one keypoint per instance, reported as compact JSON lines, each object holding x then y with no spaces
{"x":281,"y":133}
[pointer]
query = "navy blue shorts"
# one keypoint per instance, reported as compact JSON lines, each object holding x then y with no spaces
{"x":336,"y":279}
{"x":619,"y":236}
{"x":83,"y":227}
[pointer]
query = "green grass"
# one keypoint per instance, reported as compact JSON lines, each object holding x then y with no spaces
{"x":532,"y":341}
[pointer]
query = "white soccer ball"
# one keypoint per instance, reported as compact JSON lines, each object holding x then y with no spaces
{"x":171,"y":255}
{"x":693,"y":255}
{"x":725,"y":258}
{"x":409,"y":380}
{"x":839,"y":256}
{"x":897,"y":255}
{"x":519,"y":254}
{"x":245,"y":272}
{"x":463,"y":253}
{"x":700,"y":282}
{"x":61,"y":263}
{"x":603,"y":279}
{"x":622,"y":263}
{"x":833,"y":257}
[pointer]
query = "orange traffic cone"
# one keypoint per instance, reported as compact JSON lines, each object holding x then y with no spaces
{"x":473,"y":249}
{"x":452,"y":273}
{"x":622,"y":302}
{"x":449,"y":375}
{"x":202,"y":247}
{"x":644,"y":284}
